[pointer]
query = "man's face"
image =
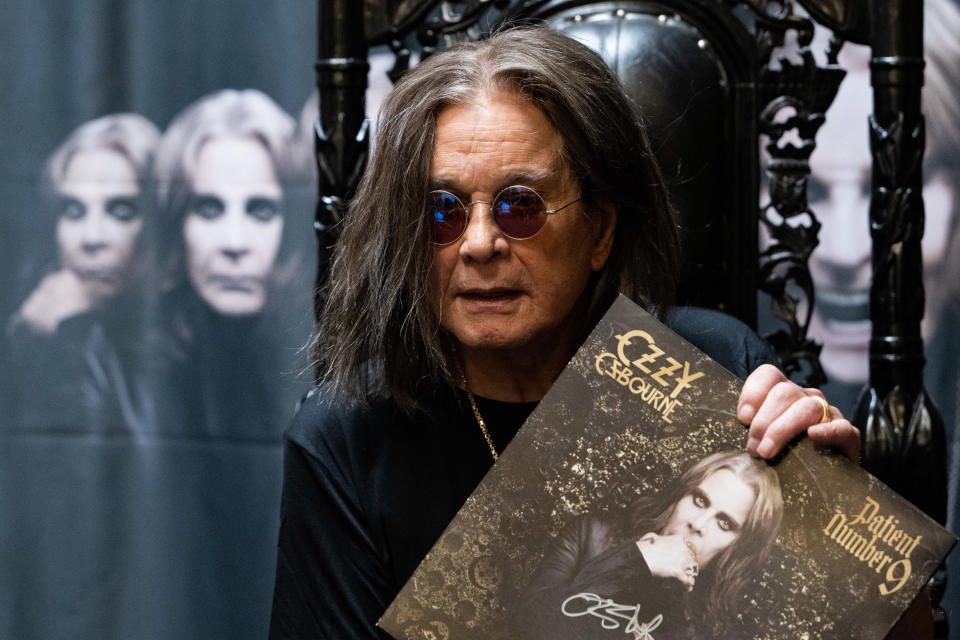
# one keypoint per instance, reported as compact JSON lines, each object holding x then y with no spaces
{"x":99,"y":220}
{"x":492,"y":292}
{"x":233,"y":230}
{"x":711,"y":517}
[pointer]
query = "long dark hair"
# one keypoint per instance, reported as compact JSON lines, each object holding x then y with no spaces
{"x":377,"y":331}
{"x":723,"y":580}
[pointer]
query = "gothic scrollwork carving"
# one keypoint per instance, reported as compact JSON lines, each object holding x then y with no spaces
{"x":795,"y":97}
{"x":897,"y":158}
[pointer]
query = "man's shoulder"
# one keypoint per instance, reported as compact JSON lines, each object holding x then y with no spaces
{"x":722,"y":337}
{"x":325,"y":420}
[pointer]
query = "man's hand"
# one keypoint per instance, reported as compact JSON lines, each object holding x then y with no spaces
{"x":777,"y":410}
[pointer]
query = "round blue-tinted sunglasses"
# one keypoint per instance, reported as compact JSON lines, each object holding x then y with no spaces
{"x":519,"y":212}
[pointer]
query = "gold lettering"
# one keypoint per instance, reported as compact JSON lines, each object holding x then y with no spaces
{"x":869,"y":510}
{"x":666,"y":371}
{"x":868,"y":550}
{"x":673,"y":405}
{"x":886,"y":526}
{"x":842,"y":534}
{"x":598,"y":360}
{"x":623,"y":375}
{"x":655,"y":352}
{"x":653,"y":396}
{"x":883,"y":562}
{"x":851,"y":540}
{"x":905,"y":542}
{"x":626,"y":339}
{"x":857,"y":545}
{"x":838,"y":520}
{"x":684,"y":381}
{"x":899,"y":577}
{"x":893,"y":531}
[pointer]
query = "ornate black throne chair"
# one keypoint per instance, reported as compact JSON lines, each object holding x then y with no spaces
{"x":733,"y":94}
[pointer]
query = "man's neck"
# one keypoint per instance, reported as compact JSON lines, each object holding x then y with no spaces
{"x":513,"y":376}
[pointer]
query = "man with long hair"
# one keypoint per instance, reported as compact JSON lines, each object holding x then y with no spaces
{"x":511,"y":197}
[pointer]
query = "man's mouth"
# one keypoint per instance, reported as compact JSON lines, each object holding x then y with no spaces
{"x":489,"y":294}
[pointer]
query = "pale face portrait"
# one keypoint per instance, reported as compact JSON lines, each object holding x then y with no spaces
{"x":839,"y":195}
{"x":491,"y":291}
{"x":234,"y":225}
{"x":99,"y":220}
{"x":712,"y":516}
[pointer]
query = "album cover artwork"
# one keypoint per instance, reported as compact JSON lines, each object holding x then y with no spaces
{"x":626,"y":507}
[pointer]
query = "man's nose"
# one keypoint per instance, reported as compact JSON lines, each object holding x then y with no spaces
{"x":482,"y":239}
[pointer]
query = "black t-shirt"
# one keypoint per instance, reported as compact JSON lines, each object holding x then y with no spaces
{"x":367,"y":490}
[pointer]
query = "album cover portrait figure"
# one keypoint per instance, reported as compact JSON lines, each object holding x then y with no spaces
{"x":87,"y":264}
{"x":94,"y":190}
{"x":227,"y":353}
{"x":233,"y":266}
{"x":674,"y":565}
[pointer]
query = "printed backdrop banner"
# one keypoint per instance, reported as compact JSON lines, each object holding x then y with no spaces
{"x":156,"y":268}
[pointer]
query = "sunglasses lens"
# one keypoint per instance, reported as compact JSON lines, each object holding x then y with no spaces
{"x":447,"y":217}
{"x":519,"y":212}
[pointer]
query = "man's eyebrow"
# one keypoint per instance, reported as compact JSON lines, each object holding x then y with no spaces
{"x":447,"y":184}
{"x":535,"y":178}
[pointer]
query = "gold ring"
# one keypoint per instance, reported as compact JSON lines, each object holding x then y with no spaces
{"x":825,"y":415}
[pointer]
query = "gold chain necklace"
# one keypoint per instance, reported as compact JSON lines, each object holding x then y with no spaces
{"x":476,"y":410}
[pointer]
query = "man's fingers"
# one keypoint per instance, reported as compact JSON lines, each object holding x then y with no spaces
{"x":792,"y":420}
{"x":755,"y":389}
{"x":839,"y":434}
{"x":780,"y":397}
{"x":778,"y":410}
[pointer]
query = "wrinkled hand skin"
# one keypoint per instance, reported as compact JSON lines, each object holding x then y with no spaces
{"x":777,"y":410}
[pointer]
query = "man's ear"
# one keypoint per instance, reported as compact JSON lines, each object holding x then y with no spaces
{"x":605,"y":231}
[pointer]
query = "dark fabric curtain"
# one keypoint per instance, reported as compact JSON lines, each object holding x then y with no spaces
{"x":140,"y":428}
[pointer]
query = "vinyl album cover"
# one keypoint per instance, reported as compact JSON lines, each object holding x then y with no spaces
{"x":625,"y":507}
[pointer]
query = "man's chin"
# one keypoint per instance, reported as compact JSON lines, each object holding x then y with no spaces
{"x":490,"y":342}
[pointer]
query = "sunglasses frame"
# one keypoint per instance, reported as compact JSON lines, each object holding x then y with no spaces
{"x":468,"y":208}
